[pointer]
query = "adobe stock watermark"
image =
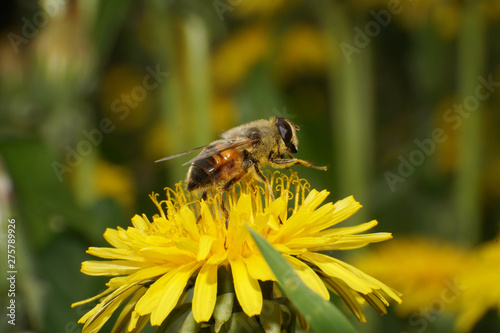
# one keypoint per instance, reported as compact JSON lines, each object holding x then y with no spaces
{"x":121,"y":107}
{"x":222,"y":6}
{"x":32,"y":25}
{"x":362,"y":38}
{"x":453,"y":116}
{"x":421,"y":318}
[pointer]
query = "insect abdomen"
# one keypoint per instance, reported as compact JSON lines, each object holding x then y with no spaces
{"x":215,"y":168}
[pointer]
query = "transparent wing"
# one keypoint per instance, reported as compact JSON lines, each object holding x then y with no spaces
{"x":179,"y":154}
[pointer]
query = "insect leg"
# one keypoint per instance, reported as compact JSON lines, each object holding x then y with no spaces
{"x":230,"y":183}
{"x":260,"y":176}
{"x":227,"y":186}
{"x":223,"y":207}
{"x":285,"y":163}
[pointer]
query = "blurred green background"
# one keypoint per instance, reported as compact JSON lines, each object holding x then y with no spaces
{"x":399,"y":98}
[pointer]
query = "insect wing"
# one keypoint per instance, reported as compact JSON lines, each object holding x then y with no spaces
{"x":219,"y":147}
{"x":179,"y":154}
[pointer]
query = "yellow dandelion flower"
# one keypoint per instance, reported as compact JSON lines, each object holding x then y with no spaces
{"x":481,"y":290}
{"x":155,"y":263}
{"x":424,"y":270}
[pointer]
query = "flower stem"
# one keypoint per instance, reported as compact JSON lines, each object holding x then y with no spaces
{"x":471,"y":48}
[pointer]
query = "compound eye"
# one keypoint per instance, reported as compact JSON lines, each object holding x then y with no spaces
{"x":293,"y":148}
{"x":285,"y":131}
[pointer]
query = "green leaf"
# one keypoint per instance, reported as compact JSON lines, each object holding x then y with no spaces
{"x":271,"y":317}
{"x":190,"y":325}
{"x":241,"y":323}
{"x":322,"y":315}
{"x":45,"y":204}
{"x":171,"y":319}
{"x":223,"y":310}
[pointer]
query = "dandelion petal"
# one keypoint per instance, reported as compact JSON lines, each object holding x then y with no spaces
{"x":247,"y":288}
{"x":310,"y":278}
{"x":205,"y":293}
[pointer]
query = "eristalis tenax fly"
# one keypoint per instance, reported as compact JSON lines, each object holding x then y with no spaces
{"x":242,"y":151}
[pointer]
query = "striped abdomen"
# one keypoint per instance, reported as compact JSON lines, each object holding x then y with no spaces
{"x":214,"y":169}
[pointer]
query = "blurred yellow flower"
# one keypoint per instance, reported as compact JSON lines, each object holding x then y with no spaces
{"x":447,"y":18}
{"x":224,"y":112}
{"x":115,"y":182}
{"x":153,"y":264}
{"x":444,"y":15}
{"x":261,"y":7}
{"x":491,"y":9}
{"x":481,"y":281}
{"x":304,"y":50}
{"x":233,"y":59}
{"x":124,"y":95}
{"x":424,"y":270}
